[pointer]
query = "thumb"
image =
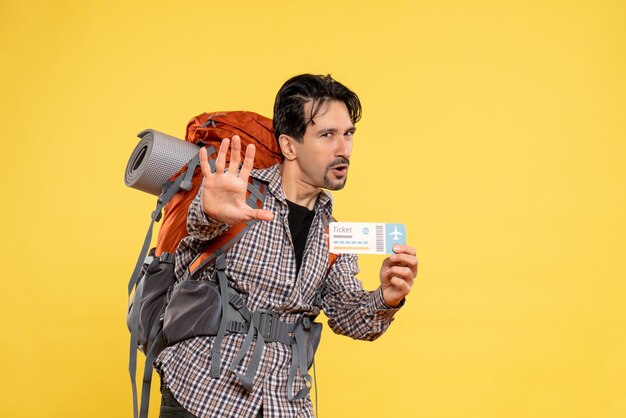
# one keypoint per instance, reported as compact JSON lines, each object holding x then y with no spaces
{"x":262,"y":214}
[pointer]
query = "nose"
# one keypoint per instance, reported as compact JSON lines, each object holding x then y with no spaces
{"x":344,"y":147}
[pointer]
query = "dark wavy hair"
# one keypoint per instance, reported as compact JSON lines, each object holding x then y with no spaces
{"x":289,"y":117}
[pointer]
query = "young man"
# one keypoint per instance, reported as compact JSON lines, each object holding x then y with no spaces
{"x":281,"y":265}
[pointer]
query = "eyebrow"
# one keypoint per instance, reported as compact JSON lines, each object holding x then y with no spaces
{"x":352,"y":129}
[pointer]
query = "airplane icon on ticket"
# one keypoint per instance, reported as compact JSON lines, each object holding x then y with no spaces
{"x":396,"y":234}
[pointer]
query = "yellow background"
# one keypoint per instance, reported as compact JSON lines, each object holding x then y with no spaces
{"x":494,"y":130}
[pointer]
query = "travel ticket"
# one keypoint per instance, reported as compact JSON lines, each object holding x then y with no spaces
{"x":365,"y":237}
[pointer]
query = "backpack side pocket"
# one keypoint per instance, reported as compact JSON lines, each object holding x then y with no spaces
{"x":194,"y":310}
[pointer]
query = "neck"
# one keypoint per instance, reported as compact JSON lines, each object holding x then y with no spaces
{"x":296,"y":189}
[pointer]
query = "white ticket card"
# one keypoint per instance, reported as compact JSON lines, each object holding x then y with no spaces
{"x":365,"y":237}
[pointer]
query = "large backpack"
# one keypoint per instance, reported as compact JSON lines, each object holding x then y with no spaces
{"x":153,"y":276}
{"x":152,"y":281}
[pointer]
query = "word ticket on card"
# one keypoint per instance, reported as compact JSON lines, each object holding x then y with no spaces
{"x":365,"y":237}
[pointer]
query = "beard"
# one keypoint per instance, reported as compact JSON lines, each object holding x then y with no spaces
{"x":338,"y":185}
{"x":341,"y":182}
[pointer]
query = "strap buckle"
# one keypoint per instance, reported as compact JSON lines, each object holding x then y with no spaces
{"x":237,"y":301}
{"x":268,"y":325}
{"x":306,"y":323}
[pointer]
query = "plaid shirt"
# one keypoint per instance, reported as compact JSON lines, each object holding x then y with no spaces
{"x":262,"y":266}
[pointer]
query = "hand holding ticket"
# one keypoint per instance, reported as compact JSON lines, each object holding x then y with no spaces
{"x":365,"y":237}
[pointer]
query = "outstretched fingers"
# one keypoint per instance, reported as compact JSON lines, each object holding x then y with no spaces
{"x":204,"y":162}
{"x":248,"y":162}
{"x":235,"y":154}
{"x":220,"y":162}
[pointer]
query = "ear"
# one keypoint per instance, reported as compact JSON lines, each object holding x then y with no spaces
{"x":287,"y":147}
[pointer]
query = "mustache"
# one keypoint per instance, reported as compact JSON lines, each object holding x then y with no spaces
{"x":339,"y":161}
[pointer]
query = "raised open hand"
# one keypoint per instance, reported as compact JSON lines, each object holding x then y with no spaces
{"x":224,"y":192}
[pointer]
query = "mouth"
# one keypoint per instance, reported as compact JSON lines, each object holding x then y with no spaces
{"x":339,"y":170}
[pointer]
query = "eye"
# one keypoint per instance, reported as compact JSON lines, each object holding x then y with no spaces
{"x":327,"y":134}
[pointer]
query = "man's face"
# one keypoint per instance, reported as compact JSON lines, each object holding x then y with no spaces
{"x":324,"y":154}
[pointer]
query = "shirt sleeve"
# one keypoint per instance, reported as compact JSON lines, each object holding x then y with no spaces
{"x":350,"y":309}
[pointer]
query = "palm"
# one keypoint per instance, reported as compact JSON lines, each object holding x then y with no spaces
{"x":224,"y":191}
